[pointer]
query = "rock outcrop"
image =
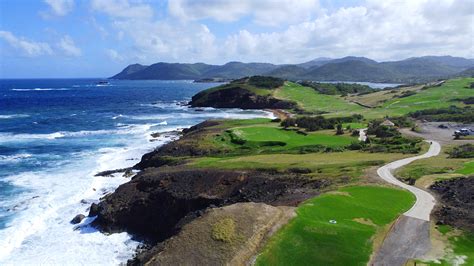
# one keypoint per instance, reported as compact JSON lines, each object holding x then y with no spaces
{"x":155,"y":201}
{"x":229,"y":235}
{"x":457,"y":202}
{"x":238,"y":97}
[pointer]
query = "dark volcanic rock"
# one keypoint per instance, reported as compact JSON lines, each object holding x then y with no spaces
{"x":187,"y":145}
{"x":457,"y":199}
{"x":153,"y":203}
{"x":236,"y":97}
{"x":78,"y":218}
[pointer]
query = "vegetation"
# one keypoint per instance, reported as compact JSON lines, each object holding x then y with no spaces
{"x":432,"y":98}
{"x":336,"y":228}
{"x":267,"y":136}
{"x":313,"y":123}
{"x":467,"y":169}
{"x":338,"y":88}
{"x":224,"y":230}
{"x":264,"y":82}
{"x":461,"y":247}
{"x":452,"y":113}
{"x":312,"y":101}
{"x":336,"y":164}
{"x":440,"y":166}
{"x":462,"y":151}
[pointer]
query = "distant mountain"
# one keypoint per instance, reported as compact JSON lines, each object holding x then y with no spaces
{"x":165,"y":71}
{"x":288,"y":72}
{"x":351,"y":68}
{"x":467,"y":73}
{"x":129,"y":70}
{"x":315,"y":62}
{"x":236,"y":70}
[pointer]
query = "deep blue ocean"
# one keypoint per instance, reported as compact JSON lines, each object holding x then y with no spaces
{"x":55,"y":135}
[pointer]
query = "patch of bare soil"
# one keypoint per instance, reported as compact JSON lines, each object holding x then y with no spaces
{"x":229,"y":235}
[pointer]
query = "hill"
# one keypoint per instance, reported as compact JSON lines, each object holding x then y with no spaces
{"x":351,"y":68}
{"x":248,"y":93}
{"x":467,"y":73}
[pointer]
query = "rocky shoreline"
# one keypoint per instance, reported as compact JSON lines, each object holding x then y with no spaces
{"x":166,"y":194}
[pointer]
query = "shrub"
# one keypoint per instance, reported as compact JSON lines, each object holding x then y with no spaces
{"x":452,"y":113}
{"x":462,"y":151}
{"x":356,"y":145}
{"x":313,"y":123}
{"x":224,"y":230}
{"x":339,"y":130}
{"x":265,"y":82}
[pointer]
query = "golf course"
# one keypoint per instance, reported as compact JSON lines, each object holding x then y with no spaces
{"x":346,"y":201}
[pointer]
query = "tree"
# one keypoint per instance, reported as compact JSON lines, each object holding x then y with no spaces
{"x":339,"y":130}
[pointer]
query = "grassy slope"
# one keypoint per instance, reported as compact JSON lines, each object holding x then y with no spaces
{"x":291,"y":138}
{"x":310,"y":239}
{"x":467,"y":169}
{"x":312,"y":101}
{"x":437,"y":167}
{"x":460,"y":248}
{"x":335,"y":164}
{"x":435,"y":97}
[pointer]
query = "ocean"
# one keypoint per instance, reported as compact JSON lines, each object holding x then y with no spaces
{"x":55,"y":135}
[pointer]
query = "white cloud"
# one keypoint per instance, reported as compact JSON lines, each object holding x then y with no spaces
{"x":114,"y":55}
{"x":122,"y":9}
{"x":26,"y":47}
{"x":382,"y":30}
{"x":67,"y":45}
{"x":263,"y":12}
{"x":60,"y":7}
{"x":378,"y":29}
{"x":155,"y":40}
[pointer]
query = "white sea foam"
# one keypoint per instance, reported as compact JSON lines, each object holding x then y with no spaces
{"x":210,"y":113}
{"x":13,"y":116}
{"x":13,"y":158}
{"x":40,"y":232}
{"x":43,"y":89}
{"x":42,"y":215}
{"x":123,"y":130}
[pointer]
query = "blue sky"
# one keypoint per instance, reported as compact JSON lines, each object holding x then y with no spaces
{"x":97,"y":38}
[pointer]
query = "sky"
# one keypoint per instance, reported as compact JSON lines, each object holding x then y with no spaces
{"x":98,"y":38}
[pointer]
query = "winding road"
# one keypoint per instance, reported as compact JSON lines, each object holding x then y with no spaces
{"x":409,"y":237}
{"x":424,"y":200}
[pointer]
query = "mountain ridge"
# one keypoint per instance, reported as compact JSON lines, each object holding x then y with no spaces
{"x":350,"y":68}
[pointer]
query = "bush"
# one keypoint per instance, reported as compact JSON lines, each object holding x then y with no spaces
{"x":265,"y":82}
{"x":356,"y":145}
{"x":224,"y":230}
{"x":338,"y":88}
{"x":313,"y":123}
{"x":462,"y":151}
{"x":452,"y":113}
{"x":339,"y":130}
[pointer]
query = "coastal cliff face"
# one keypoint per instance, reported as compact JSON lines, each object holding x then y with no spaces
{"x":248,"y":93}
{"x":236,"y":97}
{"x":154,"y":202}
